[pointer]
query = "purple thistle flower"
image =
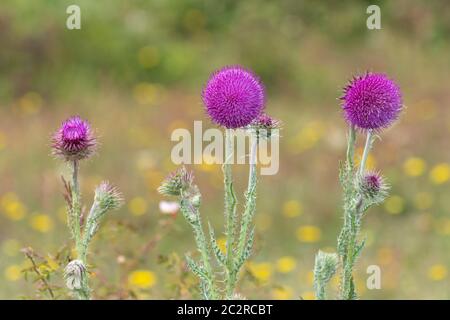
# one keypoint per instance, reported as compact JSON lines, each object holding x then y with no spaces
{"x":371,"y":101}
{"x":233,"y":97}
{"x":74,"y":140}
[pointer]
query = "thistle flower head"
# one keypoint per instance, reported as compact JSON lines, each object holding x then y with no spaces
{"x":264,"y":125}
{"x":74,"y":274}
{"x":373,"y":186}
{"x":108,"y":197}
{"x":74,"y":140}
{"x":177,"y":183}
{"x":371,"y":101}
{"x":233,"y":97}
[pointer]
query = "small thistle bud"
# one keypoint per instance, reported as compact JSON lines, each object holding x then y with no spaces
{"x":108,"y":197}
{"x":264,"y":125}
{"x":373,"y":187}
{"x":324,"y":269}
{"x":74,"y":274}
{"x":177,"y":183}
{"x":74,"y":140}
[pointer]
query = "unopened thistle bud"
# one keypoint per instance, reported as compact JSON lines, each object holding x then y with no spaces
{"x":265,"y":126}
{"x":74,"y":140}
{"x":324,"y":269}
{"x":74,"y":274}
{"x":373,"y":187}
{"x":108,"y":197}
{"x":177,"y":183}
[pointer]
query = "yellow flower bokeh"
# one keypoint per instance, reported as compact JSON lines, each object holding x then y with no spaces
{"x":286,"y":264}
{"x":142,"y":279}
{"x":437,"y":272}
{"x":414,"y":166}
{"x":42,"y":223}
{"x":292,"y":209}
{"x":308,"y":233}
{"x":440,"y":173}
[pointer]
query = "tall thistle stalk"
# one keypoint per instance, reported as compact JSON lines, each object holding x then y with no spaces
{"x":234,"y":98}
{"x":74,"y":142}
{"x":371,"y":102}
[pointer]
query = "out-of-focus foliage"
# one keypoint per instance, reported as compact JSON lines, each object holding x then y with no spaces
{"x":136,"y":69}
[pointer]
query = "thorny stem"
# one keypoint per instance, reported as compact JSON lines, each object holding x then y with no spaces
{"x":248,"y":213}
{"x":230,"y":209}
{"x":352,"y":219}
{"x":192,"y":214}
{"x":84,"y":292}
{"x":348,"y":231}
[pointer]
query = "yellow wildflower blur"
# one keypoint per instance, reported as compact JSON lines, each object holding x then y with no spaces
{"x":13,"y":273}
{"x":309,"y":233}
{"x":440,"y":173}
{"x":283,"y":293}
{"x":292,"y":209}
{"x":42,"y":223}
{"x":261,"y":271}
{"x":12,"y":207}
{"x":308,"y":295}
{"x":142,"y":279}
{"x":437,"y":272}
{"x":414,"y":167}
{"x":286,"y":264}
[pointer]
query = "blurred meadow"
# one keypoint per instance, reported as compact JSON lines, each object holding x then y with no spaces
{"x":135,"y":70}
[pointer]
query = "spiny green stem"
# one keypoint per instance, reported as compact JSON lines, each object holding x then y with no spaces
{"x":192,"y":214}
{"x":84,"y":293}
{"x":230,"y":207}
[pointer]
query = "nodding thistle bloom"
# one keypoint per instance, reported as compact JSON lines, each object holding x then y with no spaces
{"x":371,"y":101}
{"x":108,"y":197}
{"x":233,"y":97}
{"x":264,"y":125}
{"x":74,"y":140}
{"x":177,"y":183}
{"x":74,"y":274}
{"x":373,"y":187}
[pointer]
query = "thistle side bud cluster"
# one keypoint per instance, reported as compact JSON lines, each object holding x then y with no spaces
{"x":178,"y":183}
{"x":373,"y":187}
{"x":74,"y":274}
{"x":265,"y":126}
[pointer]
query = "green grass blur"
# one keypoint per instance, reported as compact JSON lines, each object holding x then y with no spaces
{"x":136,"y":69}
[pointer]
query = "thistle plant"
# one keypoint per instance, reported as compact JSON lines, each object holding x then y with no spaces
{"x":234,"y":98}
{"x":370,"y":103}
{"x":73,"y":142}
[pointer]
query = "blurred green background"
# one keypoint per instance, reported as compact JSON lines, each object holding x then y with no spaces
{"x":135,"y":70}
